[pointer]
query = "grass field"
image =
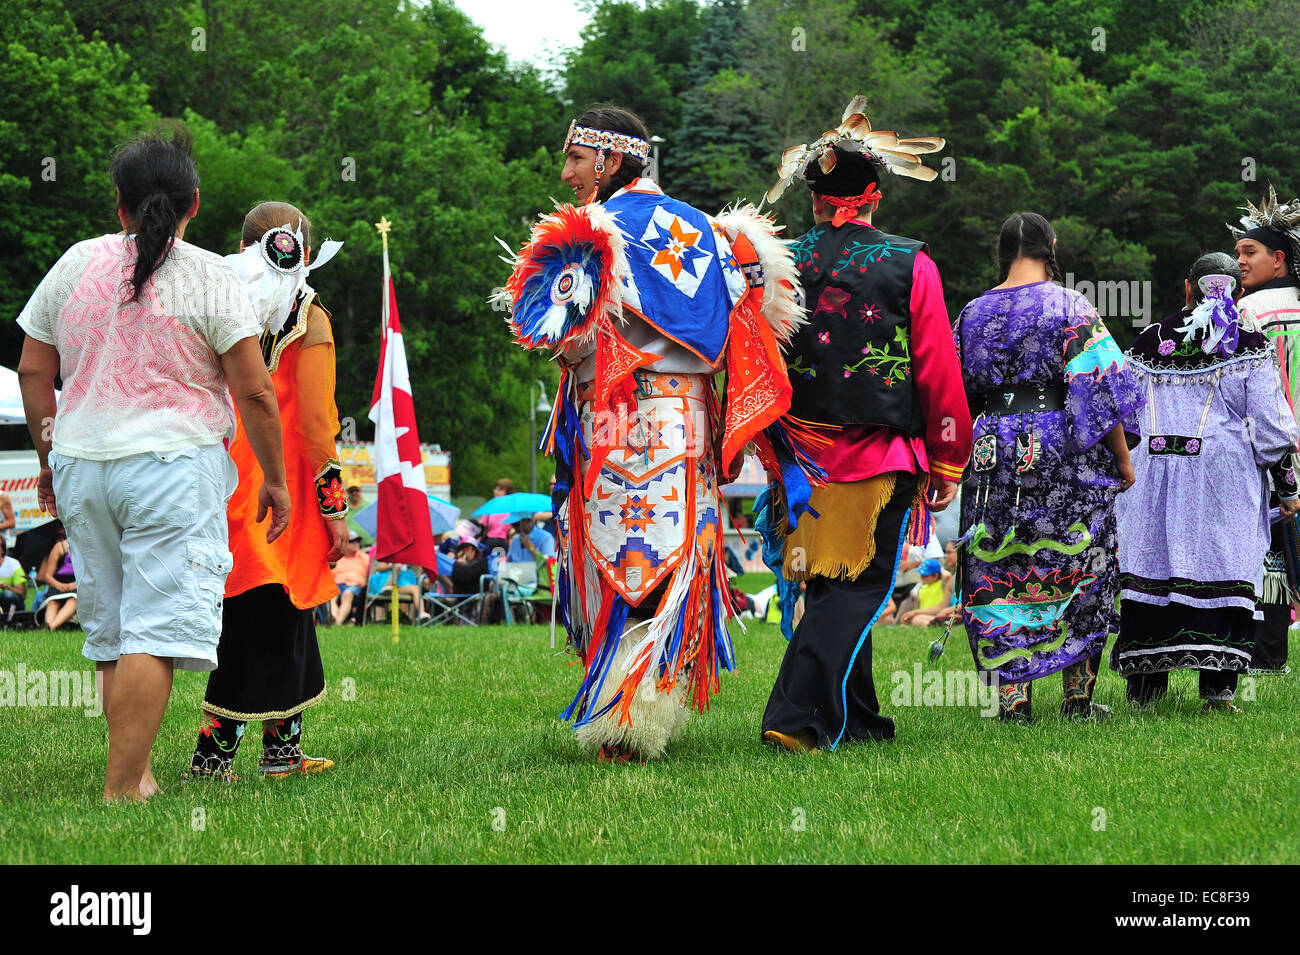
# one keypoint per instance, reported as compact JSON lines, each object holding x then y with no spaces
{"x":451,"y":752}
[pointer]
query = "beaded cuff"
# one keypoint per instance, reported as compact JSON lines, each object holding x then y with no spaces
{"x":330,"y":495}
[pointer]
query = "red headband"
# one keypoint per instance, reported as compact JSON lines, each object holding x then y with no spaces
{"x":847,"y":206}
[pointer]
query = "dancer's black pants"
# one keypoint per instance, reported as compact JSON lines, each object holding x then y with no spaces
{"x":811,"y":691}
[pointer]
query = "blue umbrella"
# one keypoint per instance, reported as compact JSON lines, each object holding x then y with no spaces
{"x":442,"y":516}
{"x":518,"y":503}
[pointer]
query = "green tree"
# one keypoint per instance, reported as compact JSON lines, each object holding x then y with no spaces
{"x":65,"y":103}
{"x":637,"y":58}
{"x":724,"y":140}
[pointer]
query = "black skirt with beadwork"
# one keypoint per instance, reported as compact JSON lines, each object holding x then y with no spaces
{"x":268,"y":660}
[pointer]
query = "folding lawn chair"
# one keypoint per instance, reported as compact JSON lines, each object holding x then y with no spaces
{"x":515,"y":583}
{"x":384,"y":598}
{"x":459,"y":609}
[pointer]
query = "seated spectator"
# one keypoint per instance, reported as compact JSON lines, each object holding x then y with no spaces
{"x":547,"y":518}
{"x":933,"y":595}
{"x":56,"y":575}
{"x":7,"y":519}
{"x":471,"y":564}
{"x":529,"y":543}
{"x":907,"y":579}
{"x":13,"y":584}
{"x":350,"y":574}
{"x":407,"y":583}
{"x":497,"y":526}
{"x":446,"y":557}
{"x":356,"y":504}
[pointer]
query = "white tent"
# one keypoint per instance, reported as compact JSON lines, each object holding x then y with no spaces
{"x":11,"y":399}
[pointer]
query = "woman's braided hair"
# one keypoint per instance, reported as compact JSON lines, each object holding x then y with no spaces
{"x":155,"y":180}
{"x":1027,"y":235}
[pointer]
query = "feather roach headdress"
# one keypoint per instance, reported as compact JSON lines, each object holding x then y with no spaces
{"x":855,"y":135}
{"x":1280,"y":218}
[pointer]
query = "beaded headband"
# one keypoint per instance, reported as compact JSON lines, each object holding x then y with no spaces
{"x":606,"y":139}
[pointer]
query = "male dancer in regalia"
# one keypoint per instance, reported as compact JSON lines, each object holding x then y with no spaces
{"x":644,"y":299}
{"x":877,"y":361}
{"x":1268,"y":251}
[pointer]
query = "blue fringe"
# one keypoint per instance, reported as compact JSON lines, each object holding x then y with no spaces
{"x":722,"y":639}
{"x":787,"y":591}
{"x":893,"y":578}
{"x":594,"y":681}
{"x":798,"y":472}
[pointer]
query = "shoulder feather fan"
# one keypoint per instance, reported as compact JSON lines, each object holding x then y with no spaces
{"x":565,"y":277}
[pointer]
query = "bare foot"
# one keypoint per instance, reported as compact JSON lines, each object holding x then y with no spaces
{"x":148,"y":785}
{"x":131,"y":795}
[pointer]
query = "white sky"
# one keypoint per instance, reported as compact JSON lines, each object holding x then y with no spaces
{"x":533,"y":30}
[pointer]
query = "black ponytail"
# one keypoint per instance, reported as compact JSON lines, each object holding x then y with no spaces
{"x":155,"y":180}
{"x":1027,"y":235}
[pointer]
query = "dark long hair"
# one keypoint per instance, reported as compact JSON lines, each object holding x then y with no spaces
{"x":155,"y":179}
{"x":1027,"y":235}
{"x":616,"y":120}
{"x":1213,"y":263}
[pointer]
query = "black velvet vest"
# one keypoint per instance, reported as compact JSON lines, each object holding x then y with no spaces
{"x":852,"y":364}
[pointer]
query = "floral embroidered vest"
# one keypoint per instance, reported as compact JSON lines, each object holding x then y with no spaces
{"x":852,"y":362}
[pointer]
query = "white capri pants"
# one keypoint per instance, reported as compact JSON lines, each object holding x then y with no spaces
{"x":149,"y":550}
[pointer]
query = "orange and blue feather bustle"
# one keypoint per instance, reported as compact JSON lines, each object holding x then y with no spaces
{"x":642,"y":589}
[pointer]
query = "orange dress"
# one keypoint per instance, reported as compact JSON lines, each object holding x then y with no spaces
{"x":301,"y":361}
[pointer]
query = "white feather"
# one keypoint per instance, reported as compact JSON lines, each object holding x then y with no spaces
{"x":780,"y":277}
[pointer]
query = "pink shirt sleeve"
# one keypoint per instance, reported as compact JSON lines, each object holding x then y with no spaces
{"x":937,"y":374}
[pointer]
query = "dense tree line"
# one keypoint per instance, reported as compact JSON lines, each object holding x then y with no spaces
{"x":1136,"y":126}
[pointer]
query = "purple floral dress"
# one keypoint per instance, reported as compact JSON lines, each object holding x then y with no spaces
{"x":1039,"y":577}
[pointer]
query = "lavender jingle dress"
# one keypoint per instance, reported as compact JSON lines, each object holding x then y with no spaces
{"x":1039,"y":576}
{"x":1194,"y":529}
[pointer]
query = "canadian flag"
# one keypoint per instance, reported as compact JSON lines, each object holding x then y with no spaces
{"x":403,"y":533}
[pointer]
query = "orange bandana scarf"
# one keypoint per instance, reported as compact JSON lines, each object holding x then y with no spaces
{"x":847,"y":206}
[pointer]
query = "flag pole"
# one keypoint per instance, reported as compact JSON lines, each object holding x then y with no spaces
{"x":382,"y":226}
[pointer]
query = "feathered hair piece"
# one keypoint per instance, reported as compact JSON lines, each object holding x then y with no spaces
{"x":1216,"y":318}
{"x":1281,"y":217}
{"x":565,"y":278}
{"x":854,"y":134}
{"x":273,"y":273}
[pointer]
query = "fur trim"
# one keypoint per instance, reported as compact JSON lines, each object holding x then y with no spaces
{"x":654,"y":719}
{"x":780,"y":277}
